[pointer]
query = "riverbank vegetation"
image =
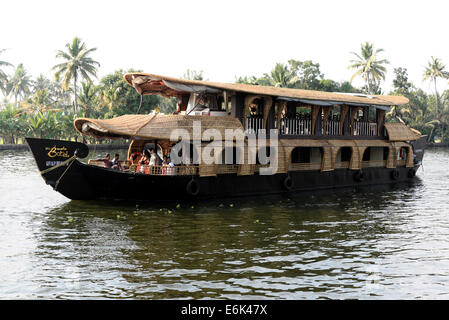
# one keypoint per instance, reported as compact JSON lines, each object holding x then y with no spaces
{"x":46,"y":108}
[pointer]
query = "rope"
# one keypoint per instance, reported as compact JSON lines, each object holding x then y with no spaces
{"x":62,"y":175}
{"x":140,"y":104}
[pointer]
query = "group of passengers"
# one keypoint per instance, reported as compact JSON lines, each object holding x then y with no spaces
{"x":114,"y":164}
{"x":143,"y":160}
{"x":150,"y":158}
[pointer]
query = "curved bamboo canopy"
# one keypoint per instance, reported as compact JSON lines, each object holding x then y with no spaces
{"x":400,"y":132}
{"x":148,"y":84}
{"x":153,"y":126}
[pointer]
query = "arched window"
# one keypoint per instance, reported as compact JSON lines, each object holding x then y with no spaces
{"x":344,"y":154}
{"x":375,"y":157}
{"x":375,"y":153}
{"x":307,"y":155}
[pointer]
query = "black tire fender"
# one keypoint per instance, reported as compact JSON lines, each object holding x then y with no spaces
{"x":411,"y":173}
{"x":193,"y":187}
{"x":395,"y":174}
{"x":288,"y":183}
{"x":359,"y":176}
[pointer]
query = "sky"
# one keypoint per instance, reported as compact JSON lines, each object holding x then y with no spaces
{"x":226,"y":39}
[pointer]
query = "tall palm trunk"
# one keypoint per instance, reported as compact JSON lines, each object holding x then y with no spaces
{"x":74,"y":88}
{"x":436,"y":97}
{"x":368,"y":84}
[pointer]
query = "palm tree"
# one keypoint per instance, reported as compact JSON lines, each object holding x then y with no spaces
{"x":110,"y":98}
{"x":3,"y":76}
{"x":77,"y":64}
{"x":193,"y":75}
{"x":434,"y":70}
{"x":367,"y":65}
{"x":20,"y":84}
{"x":87,"y":98}
{"x":281,"y":76}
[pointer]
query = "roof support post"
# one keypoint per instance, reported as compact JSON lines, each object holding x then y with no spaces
{"x":343,"y":112}
{"x":315,"y":119}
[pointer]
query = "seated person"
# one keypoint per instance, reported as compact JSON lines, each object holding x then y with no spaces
{"x":106,"y":160}
{"x":135,"y":157}
{"x":169,"y":165}
{"x":164,"y":162}
{"x":145,"y":160}
{"x":116,"y":163}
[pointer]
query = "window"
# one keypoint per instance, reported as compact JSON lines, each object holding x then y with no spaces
{"x":307,"y":155}
{"x":344,"y":154}
{"x":375,"y":153}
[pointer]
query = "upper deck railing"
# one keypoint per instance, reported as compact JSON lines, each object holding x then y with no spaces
{"x":364,"y":128}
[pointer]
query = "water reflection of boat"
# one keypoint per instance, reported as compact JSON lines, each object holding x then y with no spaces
{"x":309,"y":140}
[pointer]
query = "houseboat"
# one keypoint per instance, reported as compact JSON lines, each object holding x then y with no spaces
{"x":236,"y":140}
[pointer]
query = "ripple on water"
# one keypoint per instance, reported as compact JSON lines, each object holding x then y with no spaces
{"x":388,"y":242}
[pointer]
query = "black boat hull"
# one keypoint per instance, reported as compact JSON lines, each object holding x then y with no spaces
{"x":79,"y":181}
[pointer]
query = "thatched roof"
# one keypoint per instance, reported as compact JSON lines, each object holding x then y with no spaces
{"x":152,"y":126}
{"x":400,"y":132}
{"x":148,"y":84}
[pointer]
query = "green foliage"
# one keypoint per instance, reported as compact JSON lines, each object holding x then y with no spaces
{"x":78,"y":64}
{"x":433,"y":71}
{"x":119,"y":98}
{"x":421,"y":112}
{"x":400,"y":82}
{"x":369,"y":67}
{"x":20,"y":83}
{"x":193,"y":75}
{"x":47,"y":108}
{"x":3,"y":75}
{"x":298,"y":75}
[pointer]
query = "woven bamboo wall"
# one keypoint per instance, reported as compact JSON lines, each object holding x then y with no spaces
{"x":326,"y":162}
{"x":400,"y":132}
{"x":391,"y":159}
{"x":207,"y":170}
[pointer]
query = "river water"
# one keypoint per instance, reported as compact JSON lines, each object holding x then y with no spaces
{"x":387,"y":242}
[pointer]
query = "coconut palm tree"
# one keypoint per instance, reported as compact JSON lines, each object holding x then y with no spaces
{"x":433,"y":71}
{"x":193,"y":75}
{"x":20,"y":84}
{"x":368,"y":66}
{"x":110,"y":98}
{"x":3,"y":76}
{"x":87,"y":98}
{"x":282,"y":76}
{"x":77,"y":65}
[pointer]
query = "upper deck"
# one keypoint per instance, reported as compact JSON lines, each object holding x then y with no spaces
{"x":293,"y":113}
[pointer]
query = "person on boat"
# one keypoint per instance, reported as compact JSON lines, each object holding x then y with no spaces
{"x":153,"y":157}
{"x":164,"y":165}
{"x":253,"y":109}
{"x":116,"y":163}
{"x":135,"y":157}
{"x":106,"y":160}
{"x":171,"y":167}
{"x":144,"y":161}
